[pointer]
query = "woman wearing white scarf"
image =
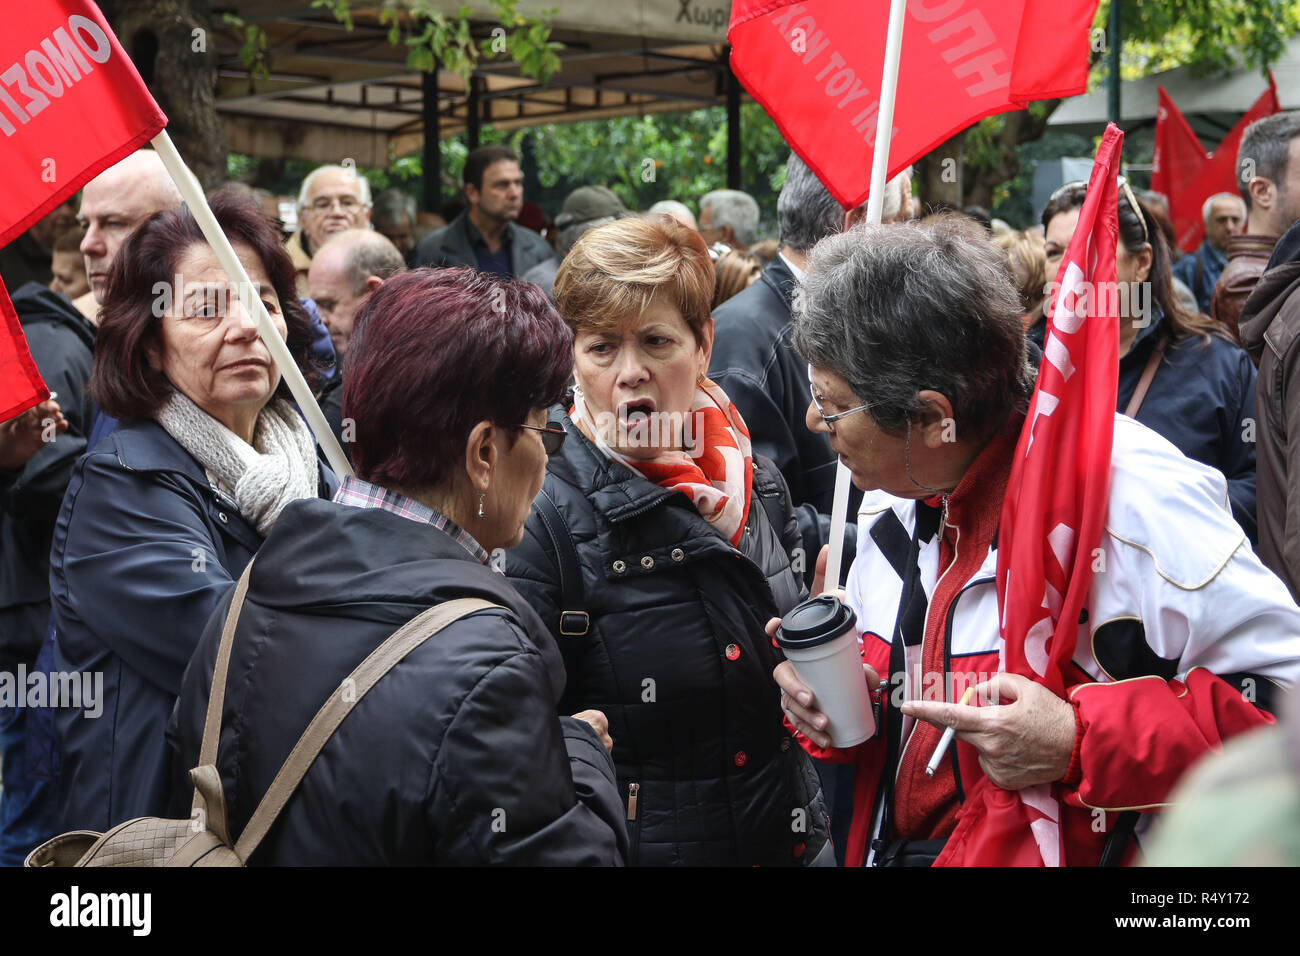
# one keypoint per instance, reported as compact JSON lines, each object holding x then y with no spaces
{"x":164,"y":513}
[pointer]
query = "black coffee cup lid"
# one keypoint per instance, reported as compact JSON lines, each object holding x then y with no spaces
{"x":816,"y":621}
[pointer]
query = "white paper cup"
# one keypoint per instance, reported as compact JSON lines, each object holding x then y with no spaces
{"x":819,"y":638}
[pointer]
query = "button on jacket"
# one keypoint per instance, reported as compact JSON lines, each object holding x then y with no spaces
{"x":144,"y":548}
{"x":677,"y":658}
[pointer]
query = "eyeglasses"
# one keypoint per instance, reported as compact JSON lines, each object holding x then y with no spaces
{"x":553,"y":435}
{"x":348,"y":204}
{"x":830,"y":420}
{"x":1122,"y":182}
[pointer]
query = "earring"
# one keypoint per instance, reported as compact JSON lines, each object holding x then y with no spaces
{"x":480,"y":504}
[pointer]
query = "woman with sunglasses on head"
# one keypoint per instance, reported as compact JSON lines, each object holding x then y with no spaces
{"x":455,"y":756}
{"x":1179,"y":372}
{"x":655,"y":553}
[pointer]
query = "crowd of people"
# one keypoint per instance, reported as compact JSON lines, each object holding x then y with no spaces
{"x":609,"y":453}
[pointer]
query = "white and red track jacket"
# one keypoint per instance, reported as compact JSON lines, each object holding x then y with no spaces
{"x":1186,"y":640}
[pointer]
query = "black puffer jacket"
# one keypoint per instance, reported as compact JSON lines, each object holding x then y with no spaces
{"x":454,"y":757}
{"x":677,"y":658}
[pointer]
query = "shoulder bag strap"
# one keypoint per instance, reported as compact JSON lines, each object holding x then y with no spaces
{"x":380,"y":661}
{"x":574,"y":618}
{"x":1144,"y":382}
{"x":217,"y":693}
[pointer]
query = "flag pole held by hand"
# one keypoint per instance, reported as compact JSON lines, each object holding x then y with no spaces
{"x":875,"y":205}
{"x":192,"y":193}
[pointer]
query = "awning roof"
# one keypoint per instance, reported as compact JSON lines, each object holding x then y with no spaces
{"x":334,"y":92}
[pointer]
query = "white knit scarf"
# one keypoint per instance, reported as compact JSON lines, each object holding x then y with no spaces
{"x":279,"y":467}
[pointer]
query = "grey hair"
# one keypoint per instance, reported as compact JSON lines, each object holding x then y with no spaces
{"x":392,"y":205}
{"x":736,"y":209}
{"x":367,"y":254}
{"x":805,"y":211}
{"x":319,"y":170}
{"x":1266,"y":144}
{"x":1207,"y":207}
{"x":679,"y":211}
{"x":896,"y":309}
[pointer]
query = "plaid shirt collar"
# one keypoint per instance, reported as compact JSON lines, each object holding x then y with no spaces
{"x":356,"y":493}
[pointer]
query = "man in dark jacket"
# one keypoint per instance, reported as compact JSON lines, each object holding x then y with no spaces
{"x":485,"y":235}
{"x":766,"y":379}
{"x":1270,"y":330}
{"x":61,"y":341}
{"x":1224,"y":215}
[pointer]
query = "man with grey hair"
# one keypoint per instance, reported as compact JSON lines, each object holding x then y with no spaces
{"x":765,"y":378}
{"x":679,"y":211}
{"x":331,"y":199}
{"x":585,"y":208}
{"x":1268,"y":176}
{"x":729,"y":216}
{"x":393,"y":217}
{"x":348,"y":267}
{"x":1225,"y":216}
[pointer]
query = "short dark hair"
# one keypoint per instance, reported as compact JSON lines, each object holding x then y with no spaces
{"x":897,"y":309}
{"x":478,"y":161}
{"x":436,"y":351}
{"x":1267,"y":144}
{"x":122,"y":382}
{"x":806,"y":212}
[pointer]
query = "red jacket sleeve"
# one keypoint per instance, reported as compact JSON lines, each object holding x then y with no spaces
{"x":1138,"y":737}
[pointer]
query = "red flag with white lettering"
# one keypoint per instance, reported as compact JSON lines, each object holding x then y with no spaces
{"x":1054,"y":513}
{"x":71,"y":105}
{"x":1183,"y":172}
{"x":815,"y":66}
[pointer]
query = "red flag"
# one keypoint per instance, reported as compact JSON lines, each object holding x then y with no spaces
{"x":1054,"y":511}
{"x":1186,"y":175}
{"x":815,"y":66}
{"x":71,"y":105}
{"x":20,"y":384}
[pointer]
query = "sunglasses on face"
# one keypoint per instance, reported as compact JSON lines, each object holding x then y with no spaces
{"x":553,"y":435}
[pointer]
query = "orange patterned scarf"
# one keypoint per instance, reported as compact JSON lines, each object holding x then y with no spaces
{"x":716,"y":471}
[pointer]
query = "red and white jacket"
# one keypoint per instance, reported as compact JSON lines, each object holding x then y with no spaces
{"x":1186,"y":640}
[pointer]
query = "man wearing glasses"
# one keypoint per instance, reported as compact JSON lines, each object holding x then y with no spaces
{"x":332,"y":198}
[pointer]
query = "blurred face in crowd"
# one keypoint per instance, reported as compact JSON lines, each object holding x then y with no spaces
{"x":708,"y":232}
{"x":502,"y":195}
{"x":1128,"y":267}
{"x":112,"y":205}
{"x":1227,"y":219}
{"x":208,"y":346}
{"x":333,"y":204}
{"x":69,"y":271}
{"x":49,"y":226}
{"x":398,"y":232}
{"x":333,"y":295}
{"x":648,"y":365}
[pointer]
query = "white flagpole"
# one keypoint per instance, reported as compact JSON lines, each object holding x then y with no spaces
{"x":875,"y":204}
{"x":192,"y":193}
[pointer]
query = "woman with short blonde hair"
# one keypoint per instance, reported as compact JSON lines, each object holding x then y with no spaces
{"x":656,"y":552}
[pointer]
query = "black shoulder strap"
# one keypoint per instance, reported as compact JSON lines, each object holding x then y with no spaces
{"x":574,"y":619}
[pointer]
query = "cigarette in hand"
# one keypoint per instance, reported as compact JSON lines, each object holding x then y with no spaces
{"x":946,"y":740}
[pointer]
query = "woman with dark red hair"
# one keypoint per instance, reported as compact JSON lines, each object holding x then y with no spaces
{"x":161,"y":516}
{"x":455,"y":756}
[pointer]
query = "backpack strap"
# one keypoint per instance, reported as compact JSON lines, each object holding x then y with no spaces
{"x":379,"y":662}
{"x":1148,"y":373}
{"x":575,"y":621}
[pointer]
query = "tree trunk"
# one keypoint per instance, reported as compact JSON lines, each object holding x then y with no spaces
{"x":173,"y":45}
{"x":939,"y":173}
{"x":1023,"y":126}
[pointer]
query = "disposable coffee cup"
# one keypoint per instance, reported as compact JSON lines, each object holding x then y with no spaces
{"x":819,"y":639}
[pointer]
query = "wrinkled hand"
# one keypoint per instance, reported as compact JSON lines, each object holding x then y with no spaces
{"x":22,"y":437}
{"x":1021,"y":743}
{"x":599,"y":724}
{"x":800,"y":704}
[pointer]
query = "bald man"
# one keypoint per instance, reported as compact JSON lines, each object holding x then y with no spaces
{"x":112,"y":205}
{"x":346,"y":268}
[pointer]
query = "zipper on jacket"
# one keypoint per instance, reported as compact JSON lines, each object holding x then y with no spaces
{"x":633,"y":824}
{"x":632,"y":789}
